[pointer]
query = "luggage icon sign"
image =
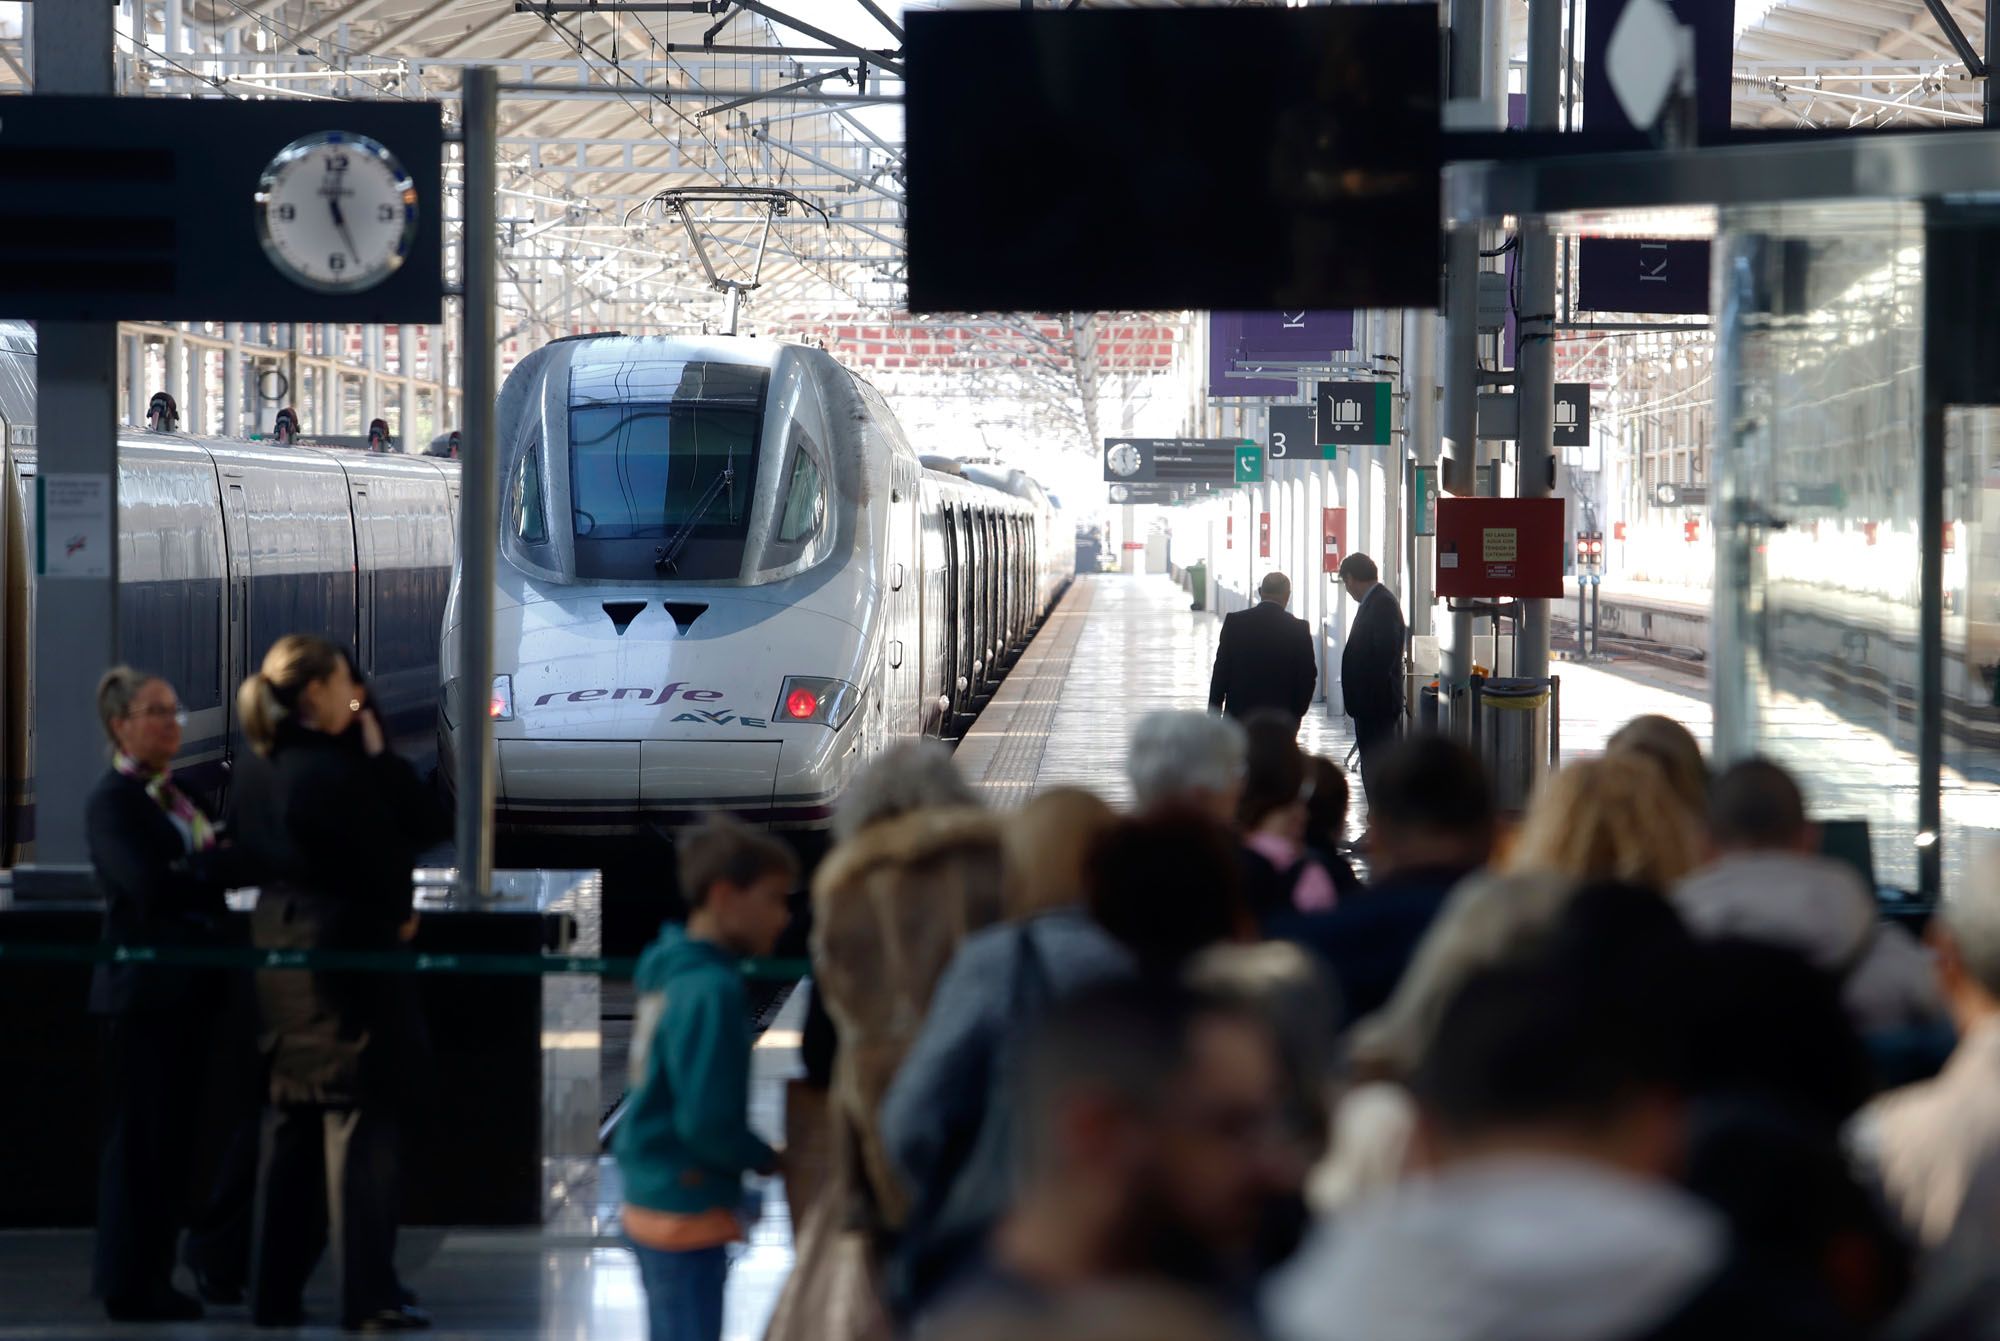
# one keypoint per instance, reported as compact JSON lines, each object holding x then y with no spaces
{"x":1566,"y":414}
{"x":1356,"y":413}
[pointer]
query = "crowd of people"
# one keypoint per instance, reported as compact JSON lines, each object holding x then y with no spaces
{"x":1638,"y":1064}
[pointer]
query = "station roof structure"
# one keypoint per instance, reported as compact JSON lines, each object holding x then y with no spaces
{"x":608,"y":103}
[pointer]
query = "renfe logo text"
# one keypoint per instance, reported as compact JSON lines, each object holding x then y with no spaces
{"x":660,"y":695}
{"x":704,"y":716}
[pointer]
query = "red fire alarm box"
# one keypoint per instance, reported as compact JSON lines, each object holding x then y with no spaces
{"x":1333,"y":537}
{"x":1263,"y":535}
{"x":1493,"y":548}
{"x":1229,"y":531}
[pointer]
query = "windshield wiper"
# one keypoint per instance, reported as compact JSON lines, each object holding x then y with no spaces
{"x":667,"y":555}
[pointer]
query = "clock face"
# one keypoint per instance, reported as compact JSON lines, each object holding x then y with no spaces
{"x":1125,"y":459}
{"x":336,"y":212}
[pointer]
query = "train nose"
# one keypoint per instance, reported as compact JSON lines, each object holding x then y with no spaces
{"x":648,"y":706}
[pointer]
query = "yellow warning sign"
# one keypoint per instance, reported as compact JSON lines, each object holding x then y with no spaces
{"x":1499,"y":544}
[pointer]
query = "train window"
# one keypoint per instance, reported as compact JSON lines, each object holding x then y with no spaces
{"x":805,"y":496}
{"x":662,"y":490}
{"x":530,"y":519}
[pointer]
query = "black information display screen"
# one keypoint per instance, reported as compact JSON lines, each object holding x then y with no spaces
{"x":1173,"y":158}
{"x":1171,"y":460}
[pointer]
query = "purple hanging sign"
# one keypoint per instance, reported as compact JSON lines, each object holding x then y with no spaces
{"x":1242,"y":339}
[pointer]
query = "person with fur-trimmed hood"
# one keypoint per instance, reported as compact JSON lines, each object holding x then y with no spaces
{"x":917,"y":865}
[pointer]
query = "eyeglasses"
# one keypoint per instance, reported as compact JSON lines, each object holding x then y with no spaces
{"x":157,"y":711}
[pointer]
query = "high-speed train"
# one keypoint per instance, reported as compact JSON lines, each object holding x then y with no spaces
{"x":224,"y":547}
{"x":726,"y":581}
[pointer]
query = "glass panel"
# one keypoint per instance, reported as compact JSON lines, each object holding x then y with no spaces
{"x":1817,"y":533}
{"x":805,"y":502}
{"x":663,"y":467}
{"x":649,"y":470}
{"x":530,"y":519}
{"x":1971,"y":778}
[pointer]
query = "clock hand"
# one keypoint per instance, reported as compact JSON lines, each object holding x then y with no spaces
{"x":340,"y":222}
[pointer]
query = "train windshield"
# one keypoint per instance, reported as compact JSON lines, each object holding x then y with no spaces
{"x":663,"y":468}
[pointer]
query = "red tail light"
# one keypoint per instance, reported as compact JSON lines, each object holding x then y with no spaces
{"x":802,"y":703}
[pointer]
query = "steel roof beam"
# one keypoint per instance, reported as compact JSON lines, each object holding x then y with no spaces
{"x":348,"y":13}
{"x":779,"y":17}
{"x":865,"y":183}
{"x":810,"y":81}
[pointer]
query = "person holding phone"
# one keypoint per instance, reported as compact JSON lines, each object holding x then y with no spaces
{"x":332,"y":822}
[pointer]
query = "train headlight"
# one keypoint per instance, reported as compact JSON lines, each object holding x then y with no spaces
{"x":811,"y":698}
{"x":502,"y":704}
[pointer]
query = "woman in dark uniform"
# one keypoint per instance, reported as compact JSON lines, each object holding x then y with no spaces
{"x":162,"y":867}
{"x":333,"y":822}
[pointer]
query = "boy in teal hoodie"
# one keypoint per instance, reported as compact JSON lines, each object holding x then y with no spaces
{"x":685,"y":1142}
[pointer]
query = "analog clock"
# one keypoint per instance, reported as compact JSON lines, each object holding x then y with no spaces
{"x":1125,"y":459}
{"x":336,"y":212}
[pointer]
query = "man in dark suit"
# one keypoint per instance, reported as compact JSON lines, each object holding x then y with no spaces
{"x":1264,"y":659}
{"x":1371,"y":664}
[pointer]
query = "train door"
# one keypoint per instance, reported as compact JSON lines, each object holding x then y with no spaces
{"x":365,"y":565}
{"x":951,"y":630}
{"x":994,"y":639}
{"x":905,"y":710}
{"x":972,"y":664}
{"x":236,"y":540}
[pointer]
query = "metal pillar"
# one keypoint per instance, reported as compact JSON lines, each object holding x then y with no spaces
{"x":76,"y":387}
{"x":232,"y":381}
{"x":194,"y":410}
{"x":176,"y":380}
{"x":1470,"y":41}
{"x":136,"y":394}
{"x":406,"y":410}
{"x":1420,"y":383}
{"x":1535,"y":369}
{"x":479,"y":497}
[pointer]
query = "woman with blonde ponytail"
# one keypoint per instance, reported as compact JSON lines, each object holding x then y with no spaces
{"x":333,"y":821}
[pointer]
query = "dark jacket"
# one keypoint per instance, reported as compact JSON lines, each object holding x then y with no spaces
{"x":156,"y":893}
{"x":1368,"y":940}
{"x":1264,"y":659}
{"x":1371,"y":662}
{"x":332,"y":836}
{"x":685,"y":1142}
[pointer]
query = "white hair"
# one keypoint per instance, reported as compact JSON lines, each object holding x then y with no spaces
{"x":1972,"y":916}
{"x":913,"y":776}
{"x":1174,"y":754}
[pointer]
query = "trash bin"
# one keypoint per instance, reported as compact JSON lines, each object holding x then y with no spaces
{"x":1427,"y":708}
{"x":1514,"y":738}
{"x":1198,"y":585}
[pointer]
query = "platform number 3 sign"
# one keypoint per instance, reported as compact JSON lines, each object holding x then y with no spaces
{"x":1291,"y":433}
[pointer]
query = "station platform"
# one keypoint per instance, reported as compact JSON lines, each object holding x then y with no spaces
{"x":1119,"y":647}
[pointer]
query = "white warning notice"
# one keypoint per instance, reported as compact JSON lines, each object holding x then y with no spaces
{"x":73,"y":526}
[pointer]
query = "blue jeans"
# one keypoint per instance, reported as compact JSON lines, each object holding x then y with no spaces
{"x":683,"y":1291}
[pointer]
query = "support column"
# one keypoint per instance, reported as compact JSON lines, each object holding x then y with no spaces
{"x":1535,"y":373}
{"x":406,"y":363}
{"x":76,"y":386}
{"x":1470,"y":44}
{"x":194,"y":410}
{"x":232,"y":381}
{"x":136,"y":391}
{"x":479,"y":495}
{"x":1420,"y":384}
{"x":176,"y":381}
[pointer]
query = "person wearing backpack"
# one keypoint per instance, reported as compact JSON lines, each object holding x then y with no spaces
{"x":685,"y":1141}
